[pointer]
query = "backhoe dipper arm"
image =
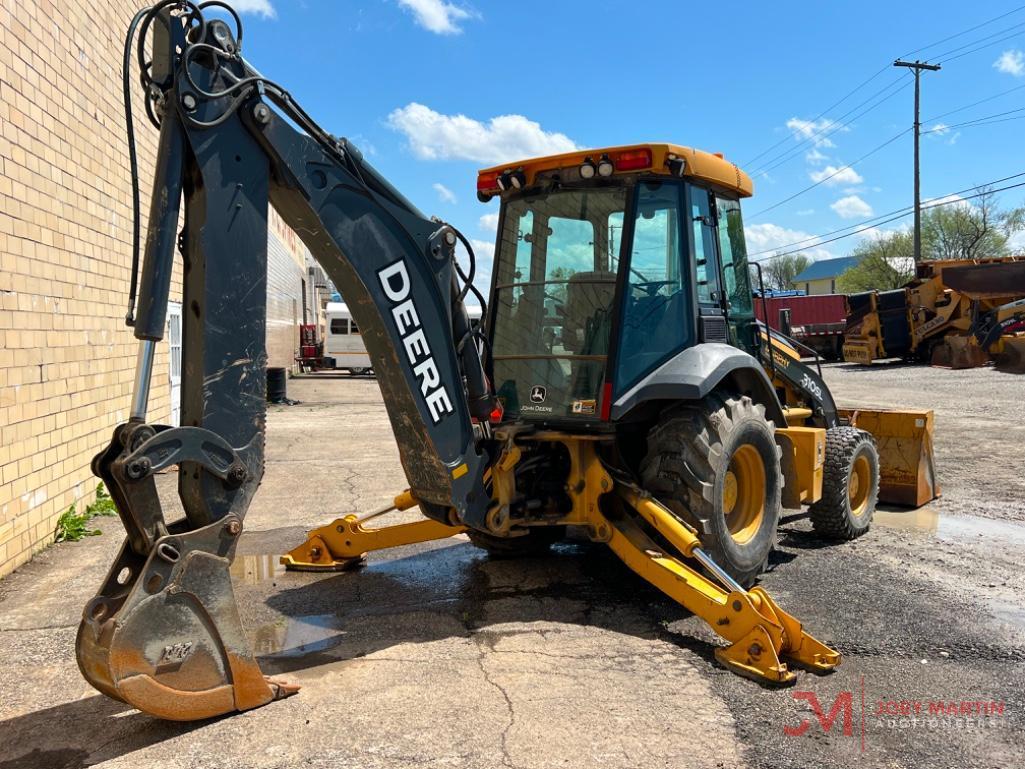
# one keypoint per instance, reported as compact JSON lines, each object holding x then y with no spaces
{"x":164,"y":633}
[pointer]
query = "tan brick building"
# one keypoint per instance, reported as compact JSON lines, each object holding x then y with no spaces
{"x":66,"y":357}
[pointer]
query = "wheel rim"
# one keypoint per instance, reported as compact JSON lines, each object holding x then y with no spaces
{"x":859,"y":484}
{"x":744,"y":493}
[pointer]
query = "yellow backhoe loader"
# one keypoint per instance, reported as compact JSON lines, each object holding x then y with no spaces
{"x":620,"y":384}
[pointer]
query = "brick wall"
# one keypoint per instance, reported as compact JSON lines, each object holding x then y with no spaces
{"x":66,"y":357}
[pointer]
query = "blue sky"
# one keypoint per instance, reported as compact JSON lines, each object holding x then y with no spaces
{"x":433,"y":90}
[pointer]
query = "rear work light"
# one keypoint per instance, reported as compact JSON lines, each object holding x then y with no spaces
{"x":512,"y":180}
{"x":487,"y":185}
{"x":633,"y":160}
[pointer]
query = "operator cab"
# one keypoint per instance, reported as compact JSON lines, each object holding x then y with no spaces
{"x":608,"y":263}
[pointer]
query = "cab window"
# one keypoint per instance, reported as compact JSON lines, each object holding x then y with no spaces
{"x":706,"y":267}
{"x":656,"y":309}
{"x":554,"y":291}
{"x":735,"y":272}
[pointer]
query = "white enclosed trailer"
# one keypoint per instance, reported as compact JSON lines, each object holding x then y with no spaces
{"x":344,"y":343}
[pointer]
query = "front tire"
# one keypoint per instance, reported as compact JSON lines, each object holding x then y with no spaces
{"x":850,"y":485}
{"x":716,"y":465}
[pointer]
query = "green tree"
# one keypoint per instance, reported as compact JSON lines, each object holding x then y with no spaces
{"x":883,"y":263}
{"x":781,"y":269}
{"x":973,"y":229}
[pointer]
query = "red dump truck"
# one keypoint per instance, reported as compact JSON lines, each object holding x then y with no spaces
{"x":816,"y":321}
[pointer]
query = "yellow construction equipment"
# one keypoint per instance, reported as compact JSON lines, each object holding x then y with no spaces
{"x":620,"y":384}
{"x":955,"y":313}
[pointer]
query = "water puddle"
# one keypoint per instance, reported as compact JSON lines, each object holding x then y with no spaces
{"x":290,"y":637}
{"x":256,"y":569}
{"x":955,"y":528}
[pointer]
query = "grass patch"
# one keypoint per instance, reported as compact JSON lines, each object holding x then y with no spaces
{"x":104,"y":505}
{"x":73,"y":525}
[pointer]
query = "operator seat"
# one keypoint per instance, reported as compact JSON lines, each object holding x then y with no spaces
{"x":590,"y":297}
{"x":587,"y":294}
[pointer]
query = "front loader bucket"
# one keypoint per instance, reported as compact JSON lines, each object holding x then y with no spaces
{"x":1011,"y":358}
{"x":907,"y":473}
{"x":959,"y":352}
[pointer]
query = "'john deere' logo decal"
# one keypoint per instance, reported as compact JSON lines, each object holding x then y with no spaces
{"x":538,"y":394}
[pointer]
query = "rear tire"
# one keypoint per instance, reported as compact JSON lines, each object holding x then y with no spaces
{"x":850,"y":485}
{"x":537,"y":541}
{"x":716,"y":465}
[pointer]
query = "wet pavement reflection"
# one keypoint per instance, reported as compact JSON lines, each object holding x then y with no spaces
{"x":951,"y":527}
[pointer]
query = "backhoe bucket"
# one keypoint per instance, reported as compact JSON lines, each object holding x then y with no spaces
{"x":164,"y":633}
{"x":907,"y":473}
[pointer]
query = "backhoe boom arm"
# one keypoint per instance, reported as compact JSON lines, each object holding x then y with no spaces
{"x":163,"y":633}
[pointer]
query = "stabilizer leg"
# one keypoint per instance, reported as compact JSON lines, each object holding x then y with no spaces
{"x":761,"y":634}
{"x":344,"y":543}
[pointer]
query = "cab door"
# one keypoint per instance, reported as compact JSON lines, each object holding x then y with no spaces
{"x":736,"y":274}
{"x":712,"y":326}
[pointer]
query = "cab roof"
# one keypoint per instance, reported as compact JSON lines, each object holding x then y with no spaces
{"x":652,"y":158}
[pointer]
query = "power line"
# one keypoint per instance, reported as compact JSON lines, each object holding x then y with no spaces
{"x":991,"y":122}
{"x":832,"y":175}
{"x":999,"y":32}
{"x":821,"y":114}
{"x":984,"y":120}
{"x":873,"y":223}
{"x":975,"y":103}
{"x":906,"y":209}
{"x":833,"y":127}
{"x":963,"y":32}
{"x":883,"y":69}
{"x":819,"y":134}
{"x":986,"y":45}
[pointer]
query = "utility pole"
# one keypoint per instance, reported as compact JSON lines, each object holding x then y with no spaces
{"x":917,"y":67}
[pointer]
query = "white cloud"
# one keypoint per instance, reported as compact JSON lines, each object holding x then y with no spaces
{"x":259,"y":7}
{"x":1012,"y":62}
{"x":948,"y":200}
{"x":433,"y":136}
{"x":832,"y":176}
{"x":484,"y":251}
{"x":489,"y":222}
{"x":445,"y":195}
{"x":941,"y":130}
{"x":877,"y":233}
{"x":771,"y":237}
{"x":1016,"y":243}
{"x":437,"y":16}
{"x":815,"y":157}
{"x":813,"y":129}
{"x":852,"y":207}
